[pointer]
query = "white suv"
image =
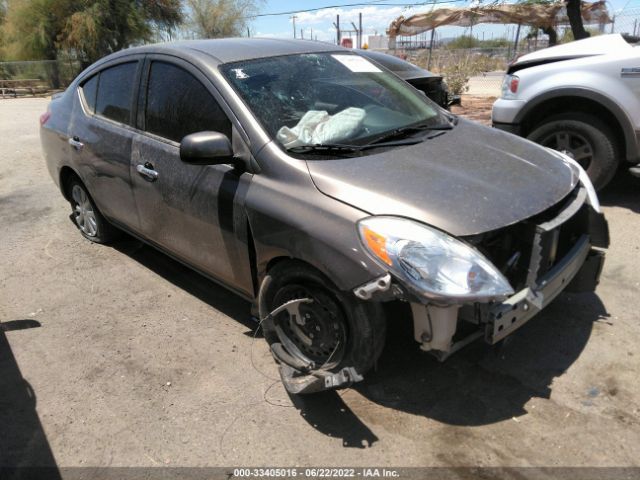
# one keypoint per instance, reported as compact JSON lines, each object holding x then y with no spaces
{"x":582,"y":98}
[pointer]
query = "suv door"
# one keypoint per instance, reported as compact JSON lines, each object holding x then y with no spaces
{"x":100,"y":135}
{"x":194,"y":212}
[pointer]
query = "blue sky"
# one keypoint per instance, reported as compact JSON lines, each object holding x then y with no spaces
{"x":376,"y":18}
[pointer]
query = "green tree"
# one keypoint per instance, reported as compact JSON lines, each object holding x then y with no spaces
{"x":87,"y":29}
{"x":462,"y":42}
{"x":99,"y":27}
{"x":219,"y":18}
{"x":3,"y":13}
{"x":30,"y":30}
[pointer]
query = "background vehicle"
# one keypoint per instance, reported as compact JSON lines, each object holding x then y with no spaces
{"x":431,"y":84}
{"x":319,"y":185}
{"x":581,"y":98}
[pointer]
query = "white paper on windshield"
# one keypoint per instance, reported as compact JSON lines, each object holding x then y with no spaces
{"x":357,"y":64}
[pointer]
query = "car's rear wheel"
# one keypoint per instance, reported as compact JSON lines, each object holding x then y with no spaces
{"x":335,"y":331}
{"x":87,"y":217}
{"x":585,"y":139}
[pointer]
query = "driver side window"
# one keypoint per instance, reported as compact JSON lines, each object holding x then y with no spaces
{"x":178,"y":104}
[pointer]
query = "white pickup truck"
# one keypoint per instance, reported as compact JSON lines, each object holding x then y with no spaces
{"x":582,"y":98}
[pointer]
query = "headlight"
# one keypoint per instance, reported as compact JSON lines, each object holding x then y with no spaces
{"x":510,"y":85}
{"x":435,"y":264}
{"x":592,"y":196}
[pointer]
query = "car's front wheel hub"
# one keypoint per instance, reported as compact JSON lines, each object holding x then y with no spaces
{"x":320,"y":332}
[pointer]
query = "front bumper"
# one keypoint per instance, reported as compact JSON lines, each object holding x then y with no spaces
{"x":505,"y":111}
{"x":582,"y":265}
{"x":565,"y":255}
{"x":513,"y":128}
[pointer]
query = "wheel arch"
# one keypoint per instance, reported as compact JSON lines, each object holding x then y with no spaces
{"x":66,"y":175}
{"x":344,"y":271}
{"x":584,"y":101}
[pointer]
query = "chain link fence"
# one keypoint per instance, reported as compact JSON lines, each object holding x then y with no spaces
{"x":479,"y":71}
{"x":38,"y":76}
{"x":626,"y":22}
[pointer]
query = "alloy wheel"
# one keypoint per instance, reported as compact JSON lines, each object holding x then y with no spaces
{"x":83,"y":212}
{"x":571,"y":144}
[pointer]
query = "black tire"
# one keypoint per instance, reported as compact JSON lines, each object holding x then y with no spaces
{"x":587,"y":139}
{"x":363,"y":322}
{"x":98,"y":229}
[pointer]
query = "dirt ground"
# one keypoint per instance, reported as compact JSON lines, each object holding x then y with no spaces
{"x":476,"y":108}
{"x":119,"y":356}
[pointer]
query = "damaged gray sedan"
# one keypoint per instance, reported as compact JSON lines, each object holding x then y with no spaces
{"x":318,"y":185}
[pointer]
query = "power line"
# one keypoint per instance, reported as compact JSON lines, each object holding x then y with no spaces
{"x":293,"y":12}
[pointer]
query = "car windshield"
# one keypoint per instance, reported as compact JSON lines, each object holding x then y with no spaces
{"x":328,"y":99}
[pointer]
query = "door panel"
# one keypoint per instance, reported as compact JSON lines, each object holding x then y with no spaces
{"x":189,"y":210}
{"x":101,"y":136}
{"x":194,"y":212}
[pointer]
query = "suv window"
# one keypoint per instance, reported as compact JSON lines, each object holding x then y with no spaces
{"x":115,"y":91}
{"x":178,"y":104}
{"x":89,"y":90}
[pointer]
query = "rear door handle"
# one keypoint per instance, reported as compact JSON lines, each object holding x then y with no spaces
{"x":147,"y":172}
{"x":76,"y":143}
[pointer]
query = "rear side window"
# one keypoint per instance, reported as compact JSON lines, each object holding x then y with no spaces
{"x":178,"y":104}
{"x":89,"y":91}
{"x":115,"y":91}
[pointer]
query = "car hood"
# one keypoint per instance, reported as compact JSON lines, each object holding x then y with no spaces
{"x":469,"y":180}
{"x":598,"y":45}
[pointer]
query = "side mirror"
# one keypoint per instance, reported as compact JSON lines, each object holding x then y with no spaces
{"x":206,"y":148}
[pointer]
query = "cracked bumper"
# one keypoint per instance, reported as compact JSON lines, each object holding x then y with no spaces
{"x":582,"y":266}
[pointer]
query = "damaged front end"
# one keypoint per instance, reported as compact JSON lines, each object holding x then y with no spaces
{"x":558,"y":249}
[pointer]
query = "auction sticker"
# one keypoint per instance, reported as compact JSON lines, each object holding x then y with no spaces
{"x":357,"y":64}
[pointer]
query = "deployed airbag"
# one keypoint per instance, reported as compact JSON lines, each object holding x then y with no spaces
{"x":317,"y":127}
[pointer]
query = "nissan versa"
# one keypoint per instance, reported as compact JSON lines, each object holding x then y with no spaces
{"x":319,"y":185}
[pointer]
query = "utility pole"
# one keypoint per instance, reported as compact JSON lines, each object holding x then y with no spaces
{"x":515,"y":44}
{"x":337,"y":25}
{"x":357,"y":34}
{"x":248,"y":33}
{"x":302,"y":33}
{"x":433,"y":34}
{"x":294,"y":25}
{"x":360,"y":28}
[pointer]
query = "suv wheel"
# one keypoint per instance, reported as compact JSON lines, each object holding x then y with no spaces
{"x":586,"y":140}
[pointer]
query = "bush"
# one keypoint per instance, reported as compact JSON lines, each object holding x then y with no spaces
{"x":457,"y":67}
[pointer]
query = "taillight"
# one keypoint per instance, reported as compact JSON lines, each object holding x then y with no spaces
{"x":513,"y":84}
{"x":44,"y":117}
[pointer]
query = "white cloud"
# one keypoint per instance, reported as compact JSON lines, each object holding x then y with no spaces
{"x":273,"y":34}
{"x":373,"y":18}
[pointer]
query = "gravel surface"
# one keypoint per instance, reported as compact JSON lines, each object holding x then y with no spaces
{"x":119,"y":356}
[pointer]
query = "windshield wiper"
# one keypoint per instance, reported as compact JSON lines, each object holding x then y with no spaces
{"x":324,"y":148}
{"x":404,"y":131}
{"x":342,"y":148}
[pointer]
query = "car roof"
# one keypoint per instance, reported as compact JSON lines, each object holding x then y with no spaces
{"x":226,"y":50}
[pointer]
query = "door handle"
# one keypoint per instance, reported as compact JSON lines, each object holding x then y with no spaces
{"x":147,"y":172}
{"x":76,"y":143}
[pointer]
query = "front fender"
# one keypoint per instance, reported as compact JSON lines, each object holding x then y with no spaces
{"x":629,"y":132}
{"x":290,"y":217}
